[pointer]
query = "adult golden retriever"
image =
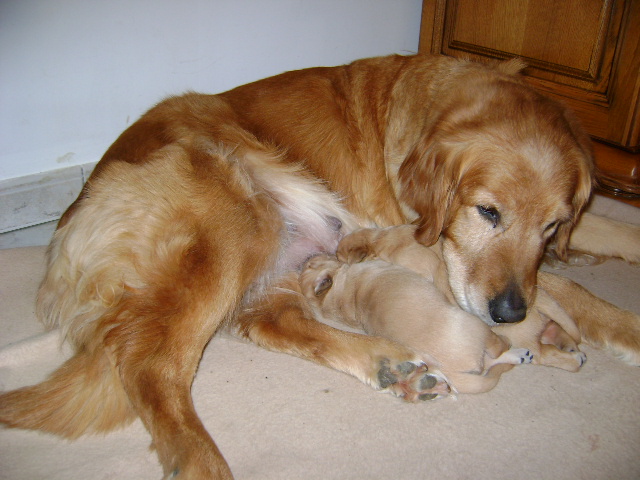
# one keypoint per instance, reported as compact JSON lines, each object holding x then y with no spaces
{"x":202,"y":206}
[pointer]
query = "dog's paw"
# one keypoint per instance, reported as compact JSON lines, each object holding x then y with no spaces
{"x":412,"y":381}
{"x":574,"y":258}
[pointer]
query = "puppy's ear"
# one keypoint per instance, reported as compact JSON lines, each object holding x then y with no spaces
{"x":428,"y":186}
{"x":323,"y":283}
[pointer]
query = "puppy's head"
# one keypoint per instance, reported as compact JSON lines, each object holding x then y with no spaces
{"x":500,"y":173}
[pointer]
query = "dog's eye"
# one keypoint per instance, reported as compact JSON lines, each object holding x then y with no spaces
{"x":490,"y":213}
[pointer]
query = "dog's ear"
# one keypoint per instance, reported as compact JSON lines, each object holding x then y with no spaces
{"x":585,"y":178}
{"x":323,"y":283}
{"x":580,"y":200}
{"x":428,"y":185}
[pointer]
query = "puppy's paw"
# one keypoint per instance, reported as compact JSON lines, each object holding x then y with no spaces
{"x":412,"y":381}
{"x":355,"y":247}
{"x":580,"y":357}
{"x":525,"y":355}
{"x":570,"y":361}
{"x":517,"y":356}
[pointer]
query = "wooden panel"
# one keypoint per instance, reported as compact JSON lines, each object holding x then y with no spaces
{"x":533,"y":30}
{"x":583,"y":52}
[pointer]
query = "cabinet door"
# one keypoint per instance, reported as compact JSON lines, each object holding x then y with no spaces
{"x":583,"y":52}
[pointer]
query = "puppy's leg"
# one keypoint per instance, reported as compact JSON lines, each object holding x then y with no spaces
{"x":474,"y":383}
{"x":552,"y":356}
{"x":600,"y":323}
{"x":553,"y":343}
{"x":498,"y":350}
{"x":282,"y":322}
{"x":553,"y":334}
{"x":498,"y":359}
{"x":550,"y":345}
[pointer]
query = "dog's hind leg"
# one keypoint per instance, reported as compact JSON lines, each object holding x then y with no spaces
{"x":189,"y":288}
{"x":601,"y":324}
{"x":153,"y":259}
{"x":156,"y":346}
{"x":282,"y":322}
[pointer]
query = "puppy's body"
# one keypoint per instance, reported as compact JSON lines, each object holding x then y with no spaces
{"x":551,"y":331}
{"x":547,"y":332}
{"x":196,"y":213}
{"x":394,"y":302}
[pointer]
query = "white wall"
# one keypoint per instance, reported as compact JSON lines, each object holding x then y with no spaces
{"x":75,"y":73}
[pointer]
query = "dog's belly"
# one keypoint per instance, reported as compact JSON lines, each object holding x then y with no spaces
{"x":313,"y":218}
{"x":302,"y":241}
{"x":304,"y":237}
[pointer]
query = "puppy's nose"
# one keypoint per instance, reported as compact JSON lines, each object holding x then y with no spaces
{"x":508,"y":306}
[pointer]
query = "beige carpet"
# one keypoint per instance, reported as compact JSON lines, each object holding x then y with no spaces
{"x":278,"y":417}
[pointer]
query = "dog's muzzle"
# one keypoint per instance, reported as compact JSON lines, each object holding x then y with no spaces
{"x":508,"y":306}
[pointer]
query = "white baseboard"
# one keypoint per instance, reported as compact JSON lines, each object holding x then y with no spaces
{"x":39,"y":199}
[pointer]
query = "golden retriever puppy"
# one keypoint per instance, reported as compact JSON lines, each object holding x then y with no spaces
{"x":394,"y":302}
{"x":547,"y":332}
{"x":197,"y":215}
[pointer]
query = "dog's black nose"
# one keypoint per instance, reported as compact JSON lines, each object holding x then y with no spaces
{"x":508,"y":306}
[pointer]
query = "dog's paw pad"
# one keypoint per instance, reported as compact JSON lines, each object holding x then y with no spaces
{"x":411,"y":380}
{"x":427,"y":382}
{"x":386,"y":377}
{"x":407,"y":368}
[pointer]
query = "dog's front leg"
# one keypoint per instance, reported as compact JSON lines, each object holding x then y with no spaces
{"x":600,"y":323}
{"x":283,"y":322}
{"x":596,"y":238}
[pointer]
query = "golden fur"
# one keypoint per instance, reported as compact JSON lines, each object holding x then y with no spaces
{"x":402,"y":293}
{"x":196,"y":213}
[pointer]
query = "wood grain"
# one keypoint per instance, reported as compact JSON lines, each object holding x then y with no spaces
{"x":583,"y":53}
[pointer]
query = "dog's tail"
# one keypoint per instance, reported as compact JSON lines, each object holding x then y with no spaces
{"x":601,"y":324}
{"x":84,"y":395}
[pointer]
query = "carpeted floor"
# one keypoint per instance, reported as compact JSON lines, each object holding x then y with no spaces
{"x":278,"y":417}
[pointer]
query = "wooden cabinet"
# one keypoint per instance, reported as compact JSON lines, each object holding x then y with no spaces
{"x":586,"y":53}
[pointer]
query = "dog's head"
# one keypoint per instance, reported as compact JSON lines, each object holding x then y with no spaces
{"x":499,"y":173}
